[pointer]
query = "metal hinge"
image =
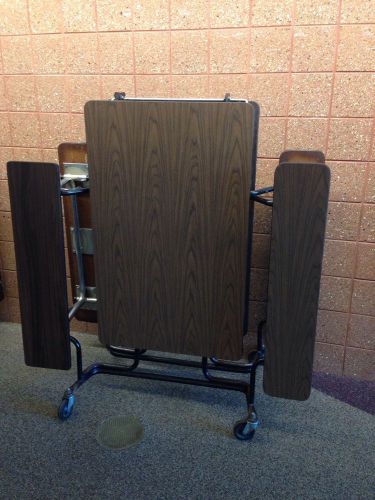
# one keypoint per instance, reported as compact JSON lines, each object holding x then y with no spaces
{"x":75,"y":174}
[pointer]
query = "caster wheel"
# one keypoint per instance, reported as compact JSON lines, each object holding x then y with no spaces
{"x":66,"y":407}
{"x":244,"y":431}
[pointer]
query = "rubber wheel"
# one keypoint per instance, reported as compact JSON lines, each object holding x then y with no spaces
{"x":243,"y":431}
{"x":65,"y":409}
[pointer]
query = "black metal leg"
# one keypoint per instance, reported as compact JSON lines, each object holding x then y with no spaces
{"x":78,"y":347}
{"x":245,"y":429}
{"x":66,"y":406}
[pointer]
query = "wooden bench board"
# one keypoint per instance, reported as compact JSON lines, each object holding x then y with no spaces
{"x":297,"y":241}
{"x":34,"y":190}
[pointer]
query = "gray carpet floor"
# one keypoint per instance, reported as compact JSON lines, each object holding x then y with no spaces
{"x":319,"y":449}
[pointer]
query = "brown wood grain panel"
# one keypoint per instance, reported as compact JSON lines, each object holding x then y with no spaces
{"x":170,"y":187}
{"x":70,"y":152}
{"x":34,"y":190}
{"x":298,"y":226}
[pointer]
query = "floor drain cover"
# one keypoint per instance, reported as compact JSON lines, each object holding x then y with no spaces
{"x":120,"y":432}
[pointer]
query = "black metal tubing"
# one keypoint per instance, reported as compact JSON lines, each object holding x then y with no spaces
{"x":78,"y":347}
{"x":237,"y":366}
{"x":250,"y":395}
{"x":137,"y":355}
{"x":107,"y":369}
{"x":73,"y":191}
{"x":257,"y":196}
{"x":216,"y":364}
{"x":264,"y":190}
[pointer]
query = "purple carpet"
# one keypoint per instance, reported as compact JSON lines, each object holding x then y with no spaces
{"x":358,"y":393}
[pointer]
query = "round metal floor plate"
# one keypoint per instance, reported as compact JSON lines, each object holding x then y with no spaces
{"x":118,"y":433}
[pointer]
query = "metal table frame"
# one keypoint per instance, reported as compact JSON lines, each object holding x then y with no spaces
{"x":243,"y":429}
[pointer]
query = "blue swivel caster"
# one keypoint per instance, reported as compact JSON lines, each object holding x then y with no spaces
{"x":244,"y":430}
{"x":66,"y":406}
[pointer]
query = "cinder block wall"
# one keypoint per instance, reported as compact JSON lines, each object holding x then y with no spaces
{"x":311,"y":67}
